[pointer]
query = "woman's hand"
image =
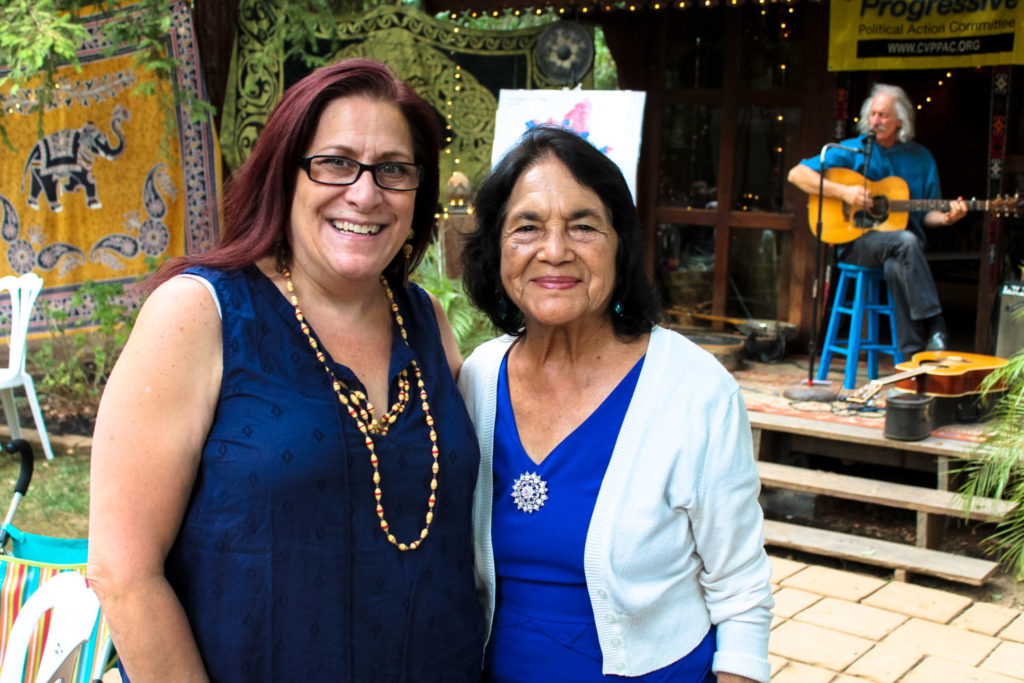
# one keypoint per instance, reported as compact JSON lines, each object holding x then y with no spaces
{"x":733,"y":678}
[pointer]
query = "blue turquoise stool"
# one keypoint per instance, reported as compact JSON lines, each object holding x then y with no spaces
{"x":862,"y":311}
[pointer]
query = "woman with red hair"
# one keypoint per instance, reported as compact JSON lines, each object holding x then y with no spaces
{"x":273,"y":497}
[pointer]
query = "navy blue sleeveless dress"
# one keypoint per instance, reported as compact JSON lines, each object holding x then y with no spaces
{"x":280,"y":564}
{"x":544,"y":626}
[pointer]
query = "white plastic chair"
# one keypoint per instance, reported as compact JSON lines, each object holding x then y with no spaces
{"x":75,"y":610}
{"x":23,"y":291}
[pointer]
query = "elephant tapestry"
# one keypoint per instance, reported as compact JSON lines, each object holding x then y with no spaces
{"x":98,"y":197}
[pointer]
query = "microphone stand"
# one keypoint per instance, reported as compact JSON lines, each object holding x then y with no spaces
{"x":819,"y":255}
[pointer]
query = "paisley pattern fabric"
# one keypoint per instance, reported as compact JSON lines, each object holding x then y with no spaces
{"x":115,"y":178}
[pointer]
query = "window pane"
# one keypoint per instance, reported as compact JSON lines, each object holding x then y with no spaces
{"x":766,"y":148}
{"x":686,"y":262}
{"x":772,"y":47}
{"x":754,"y":261}
{"x":689,"y":156}
{"x":695,"y":48}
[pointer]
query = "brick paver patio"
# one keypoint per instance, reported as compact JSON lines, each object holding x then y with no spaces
{"x":836,"y":626}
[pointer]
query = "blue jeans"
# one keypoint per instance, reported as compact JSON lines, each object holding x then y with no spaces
{"x":900,"y":254}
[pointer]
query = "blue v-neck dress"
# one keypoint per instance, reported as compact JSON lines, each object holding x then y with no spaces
{"x":544,"y":625}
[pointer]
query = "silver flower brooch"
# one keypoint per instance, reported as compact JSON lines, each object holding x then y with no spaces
{"x":529,"y":491}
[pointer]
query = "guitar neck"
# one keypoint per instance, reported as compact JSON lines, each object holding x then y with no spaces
{"x":902,"y":205}
{"x":865,"y":394}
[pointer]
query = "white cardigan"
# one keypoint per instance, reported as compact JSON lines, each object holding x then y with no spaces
{"x":675,"y":543}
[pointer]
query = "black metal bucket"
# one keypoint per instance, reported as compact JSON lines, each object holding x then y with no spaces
{"x":908,"y":417}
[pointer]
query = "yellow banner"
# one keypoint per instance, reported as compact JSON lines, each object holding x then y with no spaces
{"x":924,"y":34}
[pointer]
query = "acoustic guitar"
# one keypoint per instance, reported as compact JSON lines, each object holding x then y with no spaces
{"x":890,"y":207}
{"x":936,"y":373}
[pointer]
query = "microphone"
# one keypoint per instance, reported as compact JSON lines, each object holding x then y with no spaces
{"x":869,"y":143}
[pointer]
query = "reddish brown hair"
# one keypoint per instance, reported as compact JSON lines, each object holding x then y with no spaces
{"x":258,"y":198}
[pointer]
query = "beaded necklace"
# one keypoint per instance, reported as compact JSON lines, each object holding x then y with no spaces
{"x":362,"y":414}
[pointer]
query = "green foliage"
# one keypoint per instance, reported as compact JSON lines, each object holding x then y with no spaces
{"x":301,"y":26}
{"x":73,"y":366}
{"x":36,"y":39}
{"x":606,"y":74}
{"x":39,"y":36}
{"x":296,"y":32}
{"x":997,"y":470}
{"x":471,"y":327}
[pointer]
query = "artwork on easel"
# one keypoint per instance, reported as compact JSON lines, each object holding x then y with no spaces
{"x":611,"y":120}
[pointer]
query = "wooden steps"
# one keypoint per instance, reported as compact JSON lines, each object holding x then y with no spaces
{"x":898,"y":556}
{"x":878,"y":492}
{"x":932,"y":507}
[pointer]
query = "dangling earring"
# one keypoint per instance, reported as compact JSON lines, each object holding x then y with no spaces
{"x":618,"y":308}
{"x":407,"y":247}
{"x":281,"y":256}
{"x":502,"y":307}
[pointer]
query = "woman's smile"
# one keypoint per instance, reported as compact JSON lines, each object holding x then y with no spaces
{"x":556,"y":282}
{"x":352,"y":228}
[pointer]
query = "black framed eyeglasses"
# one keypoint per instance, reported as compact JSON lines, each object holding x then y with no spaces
{"x":327,"y":169}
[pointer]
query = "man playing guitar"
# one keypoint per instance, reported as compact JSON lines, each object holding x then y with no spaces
{"x":887,"y":122}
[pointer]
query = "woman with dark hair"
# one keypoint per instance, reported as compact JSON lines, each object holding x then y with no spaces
{"x":616,"y":517}
{"x":274,"y":495}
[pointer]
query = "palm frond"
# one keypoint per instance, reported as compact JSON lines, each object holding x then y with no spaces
{"x":996,"y":466}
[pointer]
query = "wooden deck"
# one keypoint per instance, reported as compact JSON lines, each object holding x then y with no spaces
{"x":808,"y":427}
{"x":777,"y":435}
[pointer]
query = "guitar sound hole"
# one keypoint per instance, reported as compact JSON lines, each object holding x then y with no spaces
{"x":876,"y":215}
{"x":863,"y":219}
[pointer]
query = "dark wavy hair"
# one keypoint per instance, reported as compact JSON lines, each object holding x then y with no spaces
{"x":481,"y":256}
{"x":258,"y":198}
